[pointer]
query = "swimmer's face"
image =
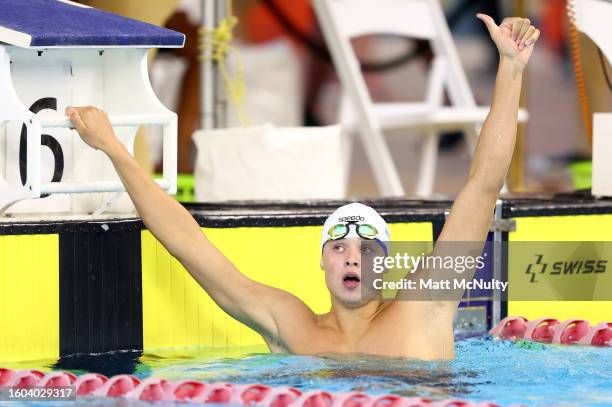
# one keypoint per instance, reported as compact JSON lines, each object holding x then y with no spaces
{"x":341,"y":261}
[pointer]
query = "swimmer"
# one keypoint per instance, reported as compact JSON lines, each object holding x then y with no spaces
{"x":414,"y":329}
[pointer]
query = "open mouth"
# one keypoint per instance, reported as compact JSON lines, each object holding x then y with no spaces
{"x":351,"y":280}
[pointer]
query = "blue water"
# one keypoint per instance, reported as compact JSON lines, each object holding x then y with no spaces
{"x":484,"y":369}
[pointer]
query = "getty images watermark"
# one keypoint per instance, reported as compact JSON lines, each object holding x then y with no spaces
{"x":412,"y":264}
{"x":513,"y":271}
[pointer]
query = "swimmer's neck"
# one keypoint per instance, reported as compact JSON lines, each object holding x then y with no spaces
{"x":351,"y":322}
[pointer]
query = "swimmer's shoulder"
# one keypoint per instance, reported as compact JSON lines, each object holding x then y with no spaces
{"x":294,"y":322}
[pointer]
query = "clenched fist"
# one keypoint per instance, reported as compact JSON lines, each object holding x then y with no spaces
{"x":94,"y":127}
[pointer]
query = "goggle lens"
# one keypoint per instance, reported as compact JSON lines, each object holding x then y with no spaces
{"x":338,"y":231}
{"x":367,"y":231}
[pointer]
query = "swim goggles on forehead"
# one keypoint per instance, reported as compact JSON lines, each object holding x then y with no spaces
{"x":340,"y":230}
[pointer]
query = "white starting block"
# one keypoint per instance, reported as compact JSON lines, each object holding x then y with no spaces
{"x":54,"y":54}
{"x":593,"y":17}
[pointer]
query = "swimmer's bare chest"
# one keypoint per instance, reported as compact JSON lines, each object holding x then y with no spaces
{"x":385,"y":336}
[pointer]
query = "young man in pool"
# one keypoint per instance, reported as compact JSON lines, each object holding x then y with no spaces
{"x":419,"y":329}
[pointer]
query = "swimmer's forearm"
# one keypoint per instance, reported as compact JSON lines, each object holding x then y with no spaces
{"x":496,"y":142}
{"x":470,"y":216}
{"x":168,"y":220}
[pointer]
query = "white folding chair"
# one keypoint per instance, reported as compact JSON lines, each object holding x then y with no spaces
{"x":342,"y":20}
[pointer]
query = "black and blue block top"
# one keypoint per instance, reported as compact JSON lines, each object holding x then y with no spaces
{"x":57,"y":23}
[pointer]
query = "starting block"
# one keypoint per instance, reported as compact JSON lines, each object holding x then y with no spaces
{"x":54,"y":54}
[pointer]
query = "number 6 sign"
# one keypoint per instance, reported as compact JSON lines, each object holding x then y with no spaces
{"x":56,"y":143}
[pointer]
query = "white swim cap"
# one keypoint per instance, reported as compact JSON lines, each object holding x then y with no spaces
{"x":356,"y":214}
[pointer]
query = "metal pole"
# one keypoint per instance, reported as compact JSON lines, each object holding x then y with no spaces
{"x":517,"y":166}
{"x":207,"y":69}
{"x":497,"y":265}
{"x":220,"y":97}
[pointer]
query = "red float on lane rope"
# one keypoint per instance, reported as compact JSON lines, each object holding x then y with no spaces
{"x":550,"y":330}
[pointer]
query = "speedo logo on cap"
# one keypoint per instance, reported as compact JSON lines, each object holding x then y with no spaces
{"x":351,"y":219}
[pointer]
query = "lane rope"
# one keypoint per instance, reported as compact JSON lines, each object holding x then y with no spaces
{"x":192,"y":391}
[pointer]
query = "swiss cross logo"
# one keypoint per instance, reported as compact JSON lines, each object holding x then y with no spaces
{"x":539,"y":267}
{"x":568,"y":267}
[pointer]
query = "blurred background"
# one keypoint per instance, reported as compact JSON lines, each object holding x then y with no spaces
{"x":289,"y":80}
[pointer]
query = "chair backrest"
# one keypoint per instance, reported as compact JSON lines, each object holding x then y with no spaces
{"x":593,"y":17}
{"x":342,"y":20}
{"x":362,"y":17}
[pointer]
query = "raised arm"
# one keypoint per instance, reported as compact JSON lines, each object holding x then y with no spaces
{"x":256,"y":305}
{"x":471,"y":214}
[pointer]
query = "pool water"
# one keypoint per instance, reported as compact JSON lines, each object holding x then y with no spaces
{"x":485,"y":369}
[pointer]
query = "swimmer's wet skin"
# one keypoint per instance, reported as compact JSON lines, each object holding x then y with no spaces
{"x":353,"y":325}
